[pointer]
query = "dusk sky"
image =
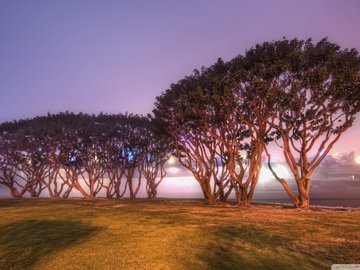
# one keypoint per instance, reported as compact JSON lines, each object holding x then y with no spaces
{"x":117,"y":56}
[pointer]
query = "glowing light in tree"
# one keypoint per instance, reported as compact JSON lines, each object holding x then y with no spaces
{"x":183,"y":138}
{"x":243,"y":155}
{"x":131,"y":156}
{"x":128,"y":154}
{"x":357,"y":159}
{"x":29,"y":160}
{"x":171,"y":160}
{"x":123,"y":153}
{"x":72,"y":160}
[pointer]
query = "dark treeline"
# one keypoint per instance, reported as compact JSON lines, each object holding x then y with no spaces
{"x":219,"y":123}
{"x":87,"y":153}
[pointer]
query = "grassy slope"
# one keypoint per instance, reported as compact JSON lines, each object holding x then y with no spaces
{"x":42,"y":234}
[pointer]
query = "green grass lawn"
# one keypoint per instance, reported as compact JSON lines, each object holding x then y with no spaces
{"x":176,"y":234}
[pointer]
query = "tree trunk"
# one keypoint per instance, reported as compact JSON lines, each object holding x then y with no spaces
{"x":304,"y":198}
{"x":210,"y":199}
{"x":151,"y":190}
{"x":131,"y":189}
{"x":15,"y":193}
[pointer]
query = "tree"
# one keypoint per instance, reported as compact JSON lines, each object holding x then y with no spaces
{"x":123,"y":150}
{"x":187,"y":112}
{"x":133,"y":151}
{"x":217,"y":135}
{"x":10,"y":172}
{"x":158,"y":146}
{"x":239,"y":132}
{"x":113,"y":168}
{"x":314,"y":91}
{"x":24,"y":164}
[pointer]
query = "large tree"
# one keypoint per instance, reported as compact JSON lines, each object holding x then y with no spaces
{"x":314,"y":92}
{"x":217,"y":134}
{"x":181,"y":112}
{"x":24,"y":158}
{"x":11,"y":175}
{"x":240,"y":133}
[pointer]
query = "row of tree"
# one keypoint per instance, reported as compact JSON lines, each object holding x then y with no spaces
{"x":297,"y":94}
{"x":87,"y":153}
{"x":219,"y":123}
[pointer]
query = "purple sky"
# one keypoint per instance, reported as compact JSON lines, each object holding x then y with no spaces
{"x":117,"y":56}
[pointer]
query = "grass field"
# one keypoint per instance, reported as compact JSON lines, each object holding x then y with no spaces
{"x":177,"y":234}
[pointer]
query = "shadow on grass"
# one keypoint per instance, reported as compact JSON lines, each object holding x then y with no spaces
{"x":252,"y":248}
{"x":26,"y":202}
{"x":23,"y":243}
{"x":10,"y":202}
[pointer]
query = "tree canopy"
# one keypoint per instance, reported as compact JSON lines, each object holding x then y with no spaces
{"x":300,"y":94}
{"x":88,"y":153}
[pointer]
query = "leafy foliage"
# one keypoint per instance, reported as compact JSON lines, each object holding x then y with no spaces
{"x":65,"y":151}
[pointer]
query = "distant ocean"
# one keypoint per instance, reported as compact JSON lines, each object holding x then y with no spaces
{"x":344,"y":202}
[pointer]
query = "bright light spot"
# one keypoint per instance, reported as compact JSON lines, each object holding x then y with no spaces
{"x":72,"y":160}
{"x":171,"y":160}
{"x":281,"y":171}
{"x":243,"y":154}
{"x":183,"y":138}
{"x":322,"y":152}
{"x":265,"y":175}
{"x":131,"y":156}
{"x":357,"y":159}
{"x":335,"y":154}
{"x":173,"y":170}
{"x":128,"y":154}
